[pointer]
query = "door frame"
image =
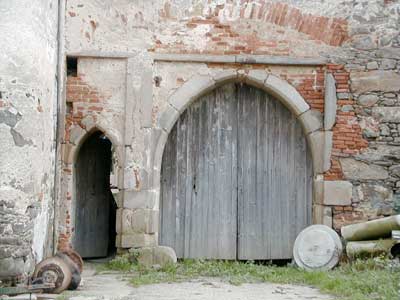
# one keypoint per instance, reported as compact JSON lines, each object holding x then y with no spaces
{"x":70,"y":153}
{"x":318,"y":139}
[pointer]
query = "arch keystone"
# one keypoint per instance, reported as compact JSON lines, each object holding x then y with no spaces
{"x":224,"y":76}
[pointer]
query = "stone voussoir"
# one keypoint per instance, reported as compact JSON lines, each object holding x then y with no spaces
{"x":320,"y":143}
{"x":190,"y":90}
{"x":286,"y":93}
{"x":311,"y":121}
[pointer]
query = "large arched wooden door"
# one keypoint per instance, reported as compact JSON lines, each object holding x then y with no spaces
{"x":236,"y":178}
{"x":95,"y":209}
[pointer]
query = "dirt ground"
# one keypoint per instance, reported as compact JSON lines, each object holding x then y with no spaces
{"x":114,"y":287}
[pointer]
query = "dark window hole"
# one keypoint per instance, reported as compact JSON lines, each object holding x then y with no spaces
{"x":72,"y":66}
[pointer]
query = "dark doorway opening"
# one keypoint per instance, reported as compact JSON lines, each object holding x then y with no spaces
{"x":95,"y":212}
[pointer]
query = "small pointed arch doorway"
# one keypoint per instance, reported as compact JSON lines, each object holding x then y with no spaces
{"x":95,"y":207}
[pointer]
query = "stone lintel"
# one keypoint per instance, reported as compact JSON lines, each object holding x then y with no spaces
{"x":241,"y":59}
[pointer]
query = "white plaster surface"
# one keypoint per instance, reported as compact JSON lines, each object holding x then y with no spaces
{"x":28,"y":61}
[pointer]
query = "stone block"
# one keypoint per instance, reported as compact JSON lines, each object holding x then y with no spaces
{"x":318,"y":189}
{"x":337,"y":192}
{"x":140,"y":199}
{"x":256,"y":78}
{"x":287,"y":94}
{"x":225,"y":76}
{"x":322,"y":215}
{"x":118,"y":223}
{"x":311,"y":121}
{"x":320,"y":143}
{"x":368,"y":100}
{"x":144,"y":220}
{"x":151,"y":256}
{"x":168,"y":118}
{"x":137,"y":221}
{"x":75,"y":134}
{"x":137,"y":240}
{"x":192,"y":89}
{"x":146,"y":98}
{"x":11,"y":267}
{"x":88,"y":122}
{"x":67,"y":152}
{"x":372,"y":65}
{"x":395,"y":170}
{"x":358,"y":170}
{"x":330,"y":103}
{"x":385,"y":81}
{"x":386,"y":114}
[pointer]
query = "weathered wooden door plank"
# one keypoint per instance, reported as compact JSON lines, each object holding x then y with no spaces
{"x":93,"y":198}
{"x":274,"y":205}
{"x":236,"y":178}
{"x":202,"y":145}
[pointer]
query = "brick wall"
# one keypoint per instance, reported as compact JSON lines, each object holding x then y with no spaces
{"x":223,"y":35}
{"x":82,"y":100}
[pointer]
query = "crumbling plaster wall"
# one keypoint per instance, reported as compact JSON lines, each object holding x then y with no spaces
{"x":358,"y":40}
{"x":28,"y":99}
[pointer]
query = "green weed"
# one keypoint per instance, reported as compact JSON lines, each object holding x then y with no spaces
{"x":359,"y":280}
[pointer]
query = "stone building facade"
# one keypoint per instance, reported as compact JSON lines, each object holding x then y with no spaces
{"x":138,"y":65}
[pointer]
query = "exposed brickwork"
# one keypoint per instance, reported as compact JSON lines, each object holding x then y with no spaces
{"x":331,"y":31}
{"x":335,"y":172}
{"x":347,"y":134}
{"x":343,"y":215}
{"x":82,"y":100}
{"x":347,"y":141}
{"x":223,"y":36}
{"x":311,"y":87}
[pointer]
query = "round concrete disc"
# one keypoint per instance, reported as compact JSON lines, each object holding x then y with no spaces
{"x":317,"y":247}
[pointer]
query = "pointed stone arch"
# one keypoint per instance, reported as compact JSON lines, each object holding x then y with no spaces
{"x":69,"y":154}
{"x":81,"y":135}
{"x":320,"y":141}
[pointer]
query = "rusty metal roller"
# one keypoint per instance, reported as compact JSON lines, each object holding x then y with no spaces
{"x":76,"y":258}
{"x":76,"y":274}
{"x":53,"y":270}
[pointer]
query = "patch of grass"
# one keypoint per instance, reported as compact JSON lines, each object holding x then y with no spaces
{"x":360,"y":280}
{"x":120,"y":263}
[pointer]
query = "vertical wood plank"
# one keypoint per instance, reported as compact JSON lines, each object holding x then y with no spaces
{"x":274,"y":174}
{"x":93,"y":198}
{"x":202,"y":146}
{"x":236,"y":178}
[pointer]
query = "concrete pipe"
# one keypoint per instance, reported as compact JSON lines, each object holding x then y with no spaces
{"x":376,"y":229}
